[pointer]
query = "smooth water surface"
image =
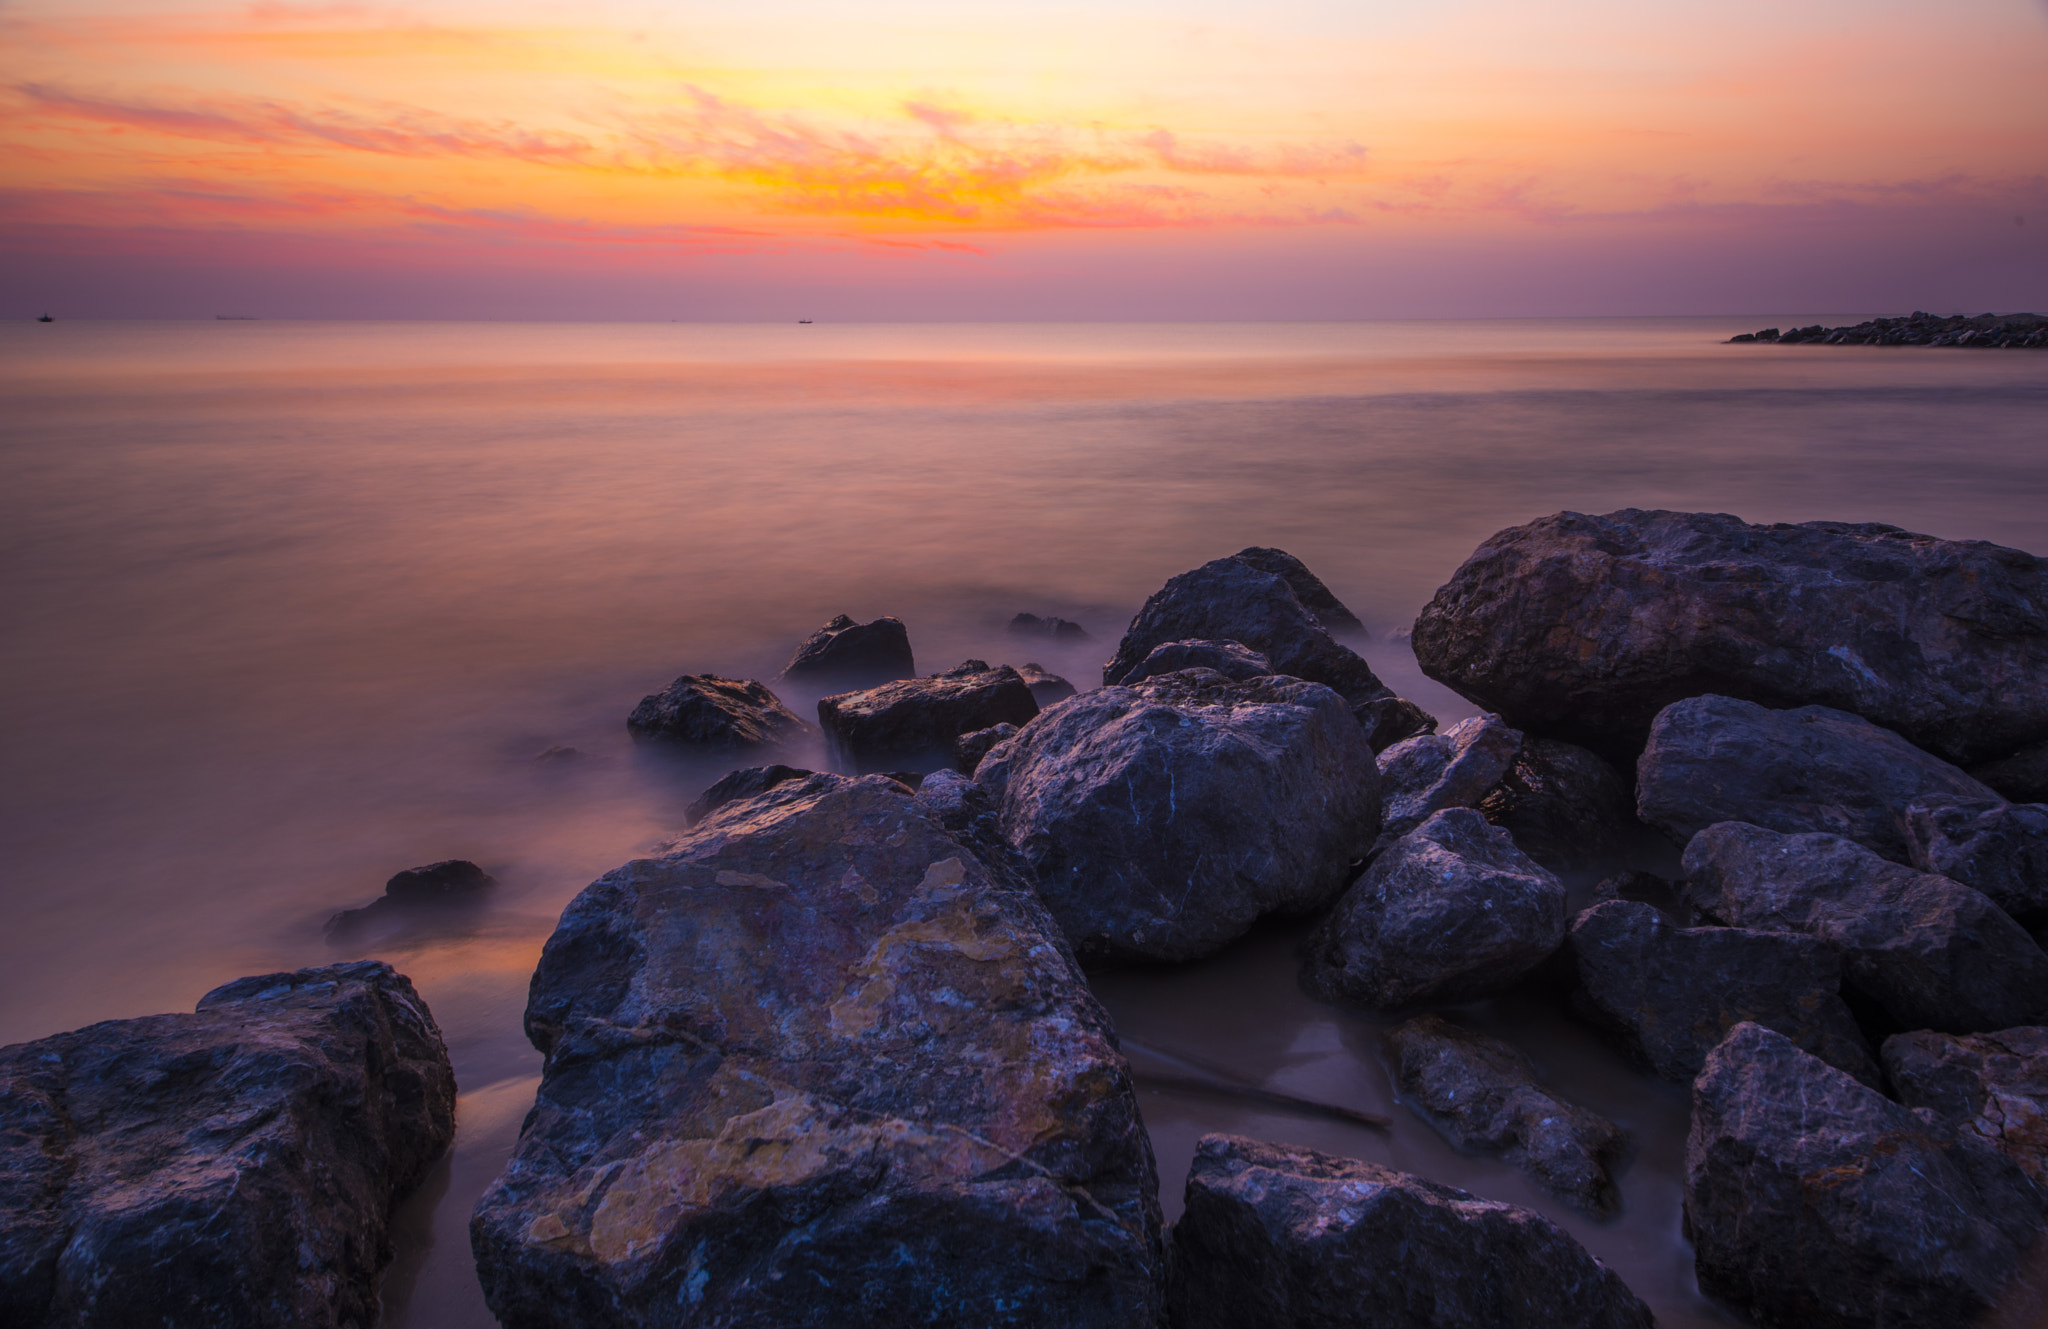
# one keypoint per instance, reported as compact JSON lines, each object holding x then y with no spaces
{"x":291,"y":606}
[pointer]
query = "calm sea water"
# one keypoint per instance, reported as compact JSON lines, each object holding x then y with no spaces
{"x":291,"y":606}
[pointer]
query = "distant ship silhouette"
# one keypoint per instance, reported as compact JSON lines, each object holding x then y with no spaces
{"x":46,"y":319}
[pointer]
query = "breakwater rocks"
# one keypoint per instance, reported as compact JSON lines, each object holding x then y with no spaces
{"x":1919,"y":329}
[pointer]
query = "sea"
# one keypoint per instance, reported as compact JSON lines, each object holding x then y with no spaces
{"x":291,"y":606}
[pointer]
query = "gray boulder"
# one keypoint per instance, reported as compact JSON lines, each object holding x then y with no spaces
{"x":1422,"y":776}
{"x":1993,"y":1086}
{"x":740,"y":784}
{"x":912,"y":725}
{"x":969,"y":749}
{"x":1482,"y":1094}
{"x":1931,"y":953}
{"x":1813,"y":1201}
{"x":449,"y":889}
{"x":847,"y":654}
{"x":1228,"y":658}
{"x":2021,"y":776}
{"x":1450,"y":912}
{"x":1046,"y":686}
{"x":715,"y":714}
{"x":230,"y":1169}
{"x":1583,"y":628}
{"x":1566,"y":807}
{"x":1670,"y":994}
{"x":1388,"y":720}
{"x":1281,"y":1237}
{"x":1329,"y":611}
{"x":1995,"y":847}
{"x":1161,"y":820}
{"x":821,"y":1066}
{"x":1715,"y":759}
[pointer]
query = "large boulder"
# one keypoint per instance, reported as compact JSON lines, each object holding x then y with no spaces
{"x":1229,"y":658}
{"x":1162,"y":819}
{"x":1584,"y":628}
{"x":1483,"y":1095}
{"x":1566,"y":807}
{"x":1715,"y":759}
{"x":1931,"y":953}
{"x":1813,"y":1201}
{"x":1280,"y":1237}
{"x":913,"y":724}
{"x":1994,"y":1086}
{"x":821,"y":1066}
{"x":1330,"y":613}
{"x":846,"y":654}
{"x":715,"y":714}
{"x":1995,"y":847}
{"x":1452,"y":911}
{"x":1670,"y":994}
{"x":230,"y":1169}
{"x":1422,"y":776}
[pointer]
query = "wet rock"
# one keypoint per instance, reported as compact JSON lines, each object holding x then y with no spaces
{"x":1228,"y":658}
{"x":234,"y":1167}
{"x":1715,"y":759}
{"x":715,"y":714}
{"x":1422,"y":776}
{"x":912,"y":725}
{"x":1993,"y":1086}
{"x":1162,"y":819}
{"x":821,"y":1066}
{"x":1228,"y":600}
{"x":740,"y":784}
{"x":1276,"y":1236}
{"x":1388,"y":720}
{"x":1933,"y":954}
{"x":1814,"y":1201}
{"x":1329,"y":611}
{"x":969,"y":749}
{"x":1059,"y":629}
{"x":452,"y":886}
{"x":1046,"y":686}
{"x":1584,"y":628}
{"x":1670,"y":994}
{"x":1482,"y":1094}
{"x":1450,"y":912}
{"x":1566,"y":808}
{"x":1995,"y":847}
{"x":2021,"y":776}
{"x":847,"y":654}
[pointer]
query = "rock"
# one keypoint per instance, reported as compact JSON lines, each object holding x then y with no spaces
{"x":2021,"y":776}
{"x":1228,"y":658}
{"x":1566,"y":808}
{"x":1329,"y":611}
{"x":716,"y":714}
{"x":234,"y":1167}
{"x":1670,"y":994}
{"x":1932,"y":953}
{"x":969,"y":749}
{"x":1995,"y":847}
{"x":1584,"y":628}
{"x":1422,"y":776}
{"x":1059,"y":629}
{"x":1994,"y":1086}
{"x":740,"y":784}
{"x":1046,"y":686}
{"x":559,"y":755}
{"x":821,"y":1066}
{"x":1715,"y":759}
{"x":451,"y":886}
{"x":847,"y":654}
{"x":1482,"y":1094}
{"x":1814,"y":1201}
{"x":1388,"y":720}
{"x":1450,"y":912}
{"x":912,"y":724}
{"x":1162,"y":819}
{"x":1228,"y":600}
{"x":1281,"y":1237}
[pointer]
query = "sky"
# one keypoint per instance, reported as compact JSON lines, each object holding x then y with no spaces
{"x":1021,"y":159}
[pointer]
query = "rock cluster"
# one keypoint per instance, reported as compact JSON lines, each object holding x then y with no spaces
{"x":1059,"y":629}
{"x":1919,"y":328}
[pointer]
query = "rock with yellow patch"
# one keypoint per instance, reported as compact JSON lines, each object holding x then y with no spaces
{"x":821,"y":1064}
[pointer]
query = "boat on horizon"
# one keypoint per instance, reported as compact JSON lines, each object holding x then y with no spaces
{"x":46,"y":319}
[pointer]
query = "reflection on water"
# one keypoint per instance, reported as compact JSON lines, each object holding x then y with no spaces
{"x":290,"y":607}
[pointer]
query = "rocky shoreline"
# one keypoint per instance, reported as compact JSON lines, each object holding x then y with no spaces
{"x":830,"y":1057}
{"x":1918,"y":328}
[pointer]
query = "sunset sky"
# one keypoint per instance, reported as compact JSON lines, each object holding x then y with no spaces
{"x":1022,"y":158}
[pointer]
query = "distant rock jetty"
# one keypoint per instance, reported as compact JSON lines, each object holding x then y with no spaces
{"x":1921,"y":329}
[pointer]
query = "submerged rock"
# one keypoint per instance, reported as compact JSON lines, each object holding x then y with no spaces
{"x":1813,"y":1201}
{"x":1715,"y":759}
{"x":1046,"y":686}
{"x":1452,"y":911}
{"x":1422,"y":776}
{"x":1993,"y":1086}
{"x":1566,"y":807}
{"x":715,"y":714}
{"x":1281,"y":1237}
{"x":847,"y":654}
{"x":821,"y":1066}
{"x":1228,"y":658}
{"x":1329,"y":611}
{"x":436,"y":890}
{"x":1482,"y":1094}
{"x":1584,"y":628}
{"x":913,"y":724}
{"x":1059,"y":629}
{"x":1932,"y":953}
{"x":1162,"y":819}
{"x":235,"y":1167}
{"x":740,"y":784}
{"x":1995,"y":847}
{"x":1670,"y":994}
